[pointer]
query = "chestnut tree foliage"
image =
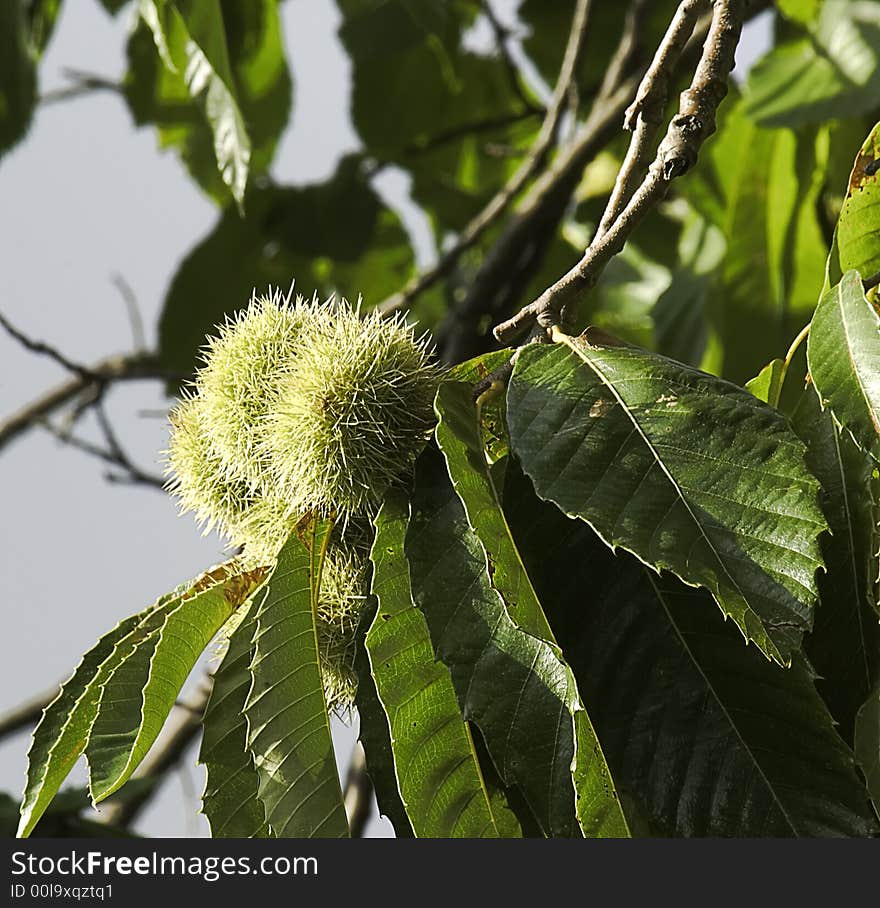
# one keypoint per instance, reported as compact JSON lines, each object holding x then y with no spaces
{"x":629,"y":585}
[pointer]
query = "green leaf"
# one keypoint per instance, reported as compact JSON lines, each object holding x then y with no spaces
{"x":833,"y":68}
{"x":62,"y":733}
{"x":767,"y":384}
{"x":688,"y":472}
{"x":458,"y":437}
{"x":707,"y":736}
{"x":858,"y":227}
{"x":18,"y":78}
{"x":680,"y":312}
{"x":868,"y":745}
{"x":512,"y":685}
{"x":437,"y":768}
{"x":209,"y":78}
{"x":440,"y":123}
{"x":236,"y":50}
{"x":766,"y":204}
{"x":230,"y":801}
{"x":843,"y":354}
{"x":844,"y":645}
{"x":140,"y":693}
{"x":288,"y":725}
{"x":334,"y":236}
{"x":802,"y":11}
{"x":113,"y":6}
{"x":375,"y":736}
{"x":42,"y":15}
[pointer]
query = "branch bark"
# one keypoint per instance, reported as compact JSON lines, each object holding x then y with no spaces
{"x":676,"y":155}
{"x":113,"y":369}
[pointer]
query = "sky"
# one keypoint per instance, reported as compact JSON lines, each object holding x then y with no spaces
{"x":84,"y":197}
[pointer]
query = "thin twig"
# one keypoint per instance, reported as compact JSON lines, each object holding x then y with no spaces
{"x":431,"y":143}
{"x":27,"y":713}
{"x":358,"y":794}
{"x":84,"y":83}
{"x":517,"y":253}
{"x":44,"y":349}
{"x":529,"y":167}
{"x":131,"y":475}
{"x":135,"y":319}
{"x":687,"y":131}
{"x":129,"y":367}
{"x":502,"y":33}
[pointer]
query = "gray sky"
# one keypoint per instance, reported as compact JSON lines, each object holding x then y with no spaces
{"x":84,"y":196}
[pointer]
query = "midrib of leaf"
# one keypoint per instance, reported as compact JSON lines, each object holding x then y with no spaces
{"x":719,"y":701}
{"x":559,"y":336}
{"x":852,"y":555}
{"x":391,"y":587}
{"x":480,"y":514}
{"x":300,"y":559}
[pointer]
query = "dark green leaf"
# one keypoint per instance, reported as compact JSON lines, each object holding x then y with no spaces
{"x":336,"y":236}
{"x":868,"y":745}
{"x":437,"y":768}
{"x":688,"y":472}
{"x":18,"y":78}
{"x":288,"y":725}
{"x":42,"y":15}
{"x":833,"y":68}
{"x":706,"y":735}
{"x":113,"y":6}
{"x":844,"y":645}
{"x":512,"y":685}
{"x":843,"y":353}
{"x":230,"y":801}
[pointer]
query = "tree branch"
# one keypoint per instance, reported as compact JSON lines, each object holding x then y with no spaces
{"x":27,"y":713}
{"x":645,"y":115}
{"x":677,"y":153}
{"x":44,"y":349}
{"x":529,"y":167}
{"x":513,"y":74}
{"x":89,"y":383}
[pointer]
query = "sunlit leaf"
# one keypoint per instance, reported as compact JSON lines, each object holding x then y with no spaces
{"x":230,"y":800}
{"x":688,"y":472}
{"x":437,"y":767}
{"x":288,"y":725}
{"x":843,"y":353}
